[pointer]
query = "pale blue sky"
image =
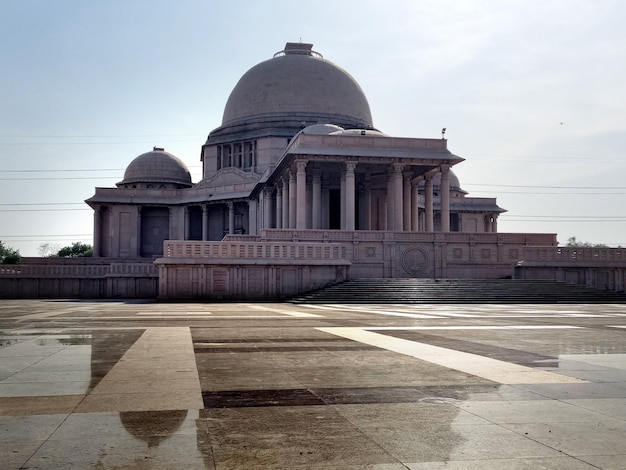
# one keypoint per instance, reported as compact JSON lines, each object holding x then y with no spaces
{"x":532,"y":94}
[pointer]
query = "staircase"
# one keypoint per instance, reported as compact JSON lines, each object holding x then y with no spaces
{"x":457,"y":291}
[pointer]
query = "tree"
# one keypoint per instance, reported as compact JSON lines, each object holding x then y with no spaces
{"x":47,"y":250}
{"x":9,"y":255}
{"x":76,"y":250}
{"x":571,"y":241}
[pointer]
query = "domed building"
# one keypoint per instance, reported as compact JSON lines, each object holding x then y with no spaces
{"x":296,"y":159}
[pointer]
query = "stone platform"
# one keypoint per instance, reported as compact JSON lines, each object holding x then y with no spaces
{"x":146,"y":385}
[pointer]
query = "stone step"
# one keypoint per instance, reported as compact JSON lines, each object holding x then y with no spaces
{"x":457,"y":291}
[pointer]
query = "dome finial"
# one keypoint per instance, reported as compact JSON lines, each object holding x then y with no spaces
{"x":298,"y":48}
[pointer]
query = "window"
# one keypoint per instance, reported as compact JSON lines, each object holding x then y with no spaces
{"x":240,"y":155}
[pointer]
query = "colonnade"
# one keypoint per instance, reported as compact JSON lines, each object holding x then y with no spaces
{"x":301,"y":199}
{"x":298,"y":202}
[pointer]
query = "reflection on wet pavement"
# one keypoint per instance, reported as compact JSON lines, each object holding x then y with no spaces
{"x":110,"y":385}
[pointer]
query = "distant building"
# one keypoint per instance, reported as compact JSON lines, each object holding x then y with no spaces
{"x":300,"y":190}
{"x":297,"y":149}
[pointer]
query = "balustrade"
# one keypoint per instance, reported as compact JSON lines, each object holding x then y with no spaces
{"x":252,"y":250}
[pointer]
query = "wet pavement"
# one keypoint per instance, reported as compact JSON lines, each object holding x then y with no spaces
{"x":143,"y":385}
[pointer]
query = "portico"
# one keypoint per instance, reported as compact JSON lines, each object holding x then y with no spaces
{"x":351,"y":182}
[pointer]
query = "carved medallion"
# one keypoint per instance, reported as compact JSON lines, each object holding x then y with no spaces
{"x":414,"y":261}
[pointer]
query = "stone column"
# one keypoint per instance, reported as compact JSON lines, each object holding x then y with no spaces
{"x":205,"y":222}
{"x":428,"y":202}
{"x":309,"y":204}
{"x":445,"y":198}
{"x":316,"y":203}
{"x":350,"y":188}
{"x":365,"y":216}
{"x":231,"y":218}
{"x":414,"y":207}
{"x":325,"y":207}
{"x":389,"y":199}
{"x":139,"y":241}
{"x":279,"y":204}
{"x":342,"y":200}
{"x":494,"y":223}
{"x":407,"y":208}
{"x":252,"y":217}
{"x":301,"y":194}
{"x":97,"y":231}
{"x":187,"y":235}
{"x":171,"y":235}
{"x":285,"y":213}
{"x":293,"y":201}
{"x":267,"y":207}
{"x":397,"y":196}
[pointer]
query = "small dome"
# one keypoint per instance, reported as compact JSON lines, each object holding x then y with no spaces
{"x":366,"y":132}
{"x":322,"y":129}
{"x":455,"y":184}
{"x":157,"y":167}
{"x":299,"y":84}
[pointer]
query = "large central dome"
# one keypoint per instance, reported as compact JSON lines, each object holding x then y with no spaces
{"x":297,"y":83}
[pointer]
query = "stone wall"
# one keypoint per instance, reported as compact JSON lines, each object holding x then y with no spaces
{"x":79,"y":278}
{"x":600,"y":268}
{"x":280,"y":263}
{"x":452,"y":255}
{"x":247,"y":270}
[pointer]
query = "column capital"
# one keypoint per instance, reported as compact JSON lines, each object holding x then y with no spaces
{"x":398,"y":167}
{"x":301,"y":165}
{"x":350,"y":166}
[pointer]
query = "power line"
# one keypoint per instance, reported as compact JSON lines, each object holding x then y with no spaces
{"x":535,"y":193}
{"x":42,"y":204}
{"x":62,"y":179}
{"x":51,"y":170}
{"x":562,"y":220}
{"x":43,"y":210}
{"x":35,"y":144}
{"x":59,"y":171}
{"x":52,"y":235}
{"x":73,"y":136}
{"x":571,"y":216}
{"x":13,"y":140}
{"x":542,"y":187}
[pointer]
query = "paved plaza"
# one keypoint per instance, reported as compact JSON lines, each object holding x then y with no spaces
{"x":143,"y":385}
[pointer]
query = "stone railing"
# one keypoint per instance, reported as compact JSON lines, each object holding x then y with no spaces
{"x":346,"y":140}
{"x":253,"y":250}
{"x":73,"y":278}
{"x":51,"y":270}
{"x":188,"y":195}
{"x":574,"y":255}
{"x":532,"y":239}
{"x":78,"y":271}
{"x":133,"y":269}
